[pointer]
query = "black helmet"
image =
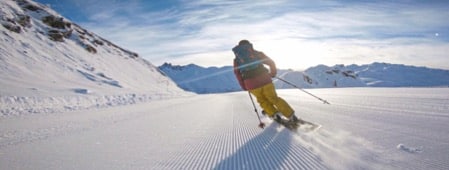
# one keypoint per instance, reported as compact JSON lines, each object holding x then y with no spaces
{"x":244,"y":42}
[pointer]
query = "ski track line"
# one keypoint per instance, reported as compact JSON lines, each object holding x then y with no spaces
{"x":242,"y":145}
{"x":199,"y":155}
{"x":277,"y":143}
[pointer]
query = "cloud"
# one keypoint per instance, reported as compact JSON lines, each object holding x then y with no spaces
{"x":329,"y":32}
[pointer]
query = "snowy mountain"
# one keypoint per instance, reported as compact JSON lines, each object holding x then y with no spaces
{"x":398,"y":75}
{"x":46,"y":60}
{"x":321,"y":76}
{"x":202,"y":80}
{"x":215,"y":80}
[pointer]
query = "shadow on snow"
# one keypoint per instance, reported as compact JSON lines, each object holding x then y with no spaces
{"x":272,"y":149}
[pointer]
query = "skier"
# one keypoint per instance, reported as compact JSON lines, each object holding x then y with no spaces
{"x":252,"y":76}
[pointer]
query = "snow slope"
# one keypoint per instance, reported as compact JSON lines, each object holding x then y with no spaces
{"x":363,"y":128}
{"x":50,"y":64}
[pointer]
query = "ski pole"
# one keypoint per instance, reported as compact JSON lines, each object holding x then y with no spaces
{"x":261,"y":124}
{"x":291,"y":84}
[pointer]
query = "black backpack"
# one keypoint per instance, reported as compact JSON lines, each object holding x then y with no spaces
{"x":246,"y":57}
{"x":250,"y":65}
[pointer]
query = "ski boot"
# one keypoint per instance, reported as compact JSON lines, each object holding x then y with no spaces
{"x":293,"y":119}
{"x":275,"y":117}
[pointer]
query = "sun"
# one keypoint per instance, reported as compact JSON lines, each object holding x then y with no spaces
{"x":292,"y":54}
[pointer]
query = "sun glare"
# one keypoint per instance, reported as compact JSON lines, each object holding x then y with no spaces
{"x":293,"y":54}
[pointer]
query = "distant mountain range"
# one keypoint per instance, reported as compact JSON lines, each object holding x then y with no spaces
{"x":221,"y":79}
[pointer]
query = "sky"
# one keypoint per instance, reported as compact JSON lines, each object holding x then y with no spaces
{"x":296,"y":34}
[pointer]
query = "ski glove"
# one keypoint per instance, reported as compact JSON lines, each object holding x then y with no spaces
{"x":273,"y":73}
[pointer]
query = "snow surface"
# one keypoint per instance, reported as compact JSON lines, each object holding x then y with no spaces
{"x":363,"y":128}
{"x":39,"y":74}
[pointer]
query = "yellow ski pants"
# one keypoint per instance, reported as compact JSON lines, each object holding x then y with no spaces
{"x":270,"y":102}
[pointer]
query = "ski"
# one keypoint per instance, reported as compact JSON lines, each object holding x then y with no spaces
{"x":301,"y":124}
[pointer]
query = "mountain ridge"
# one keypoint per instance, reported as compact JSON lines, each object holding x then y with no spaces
{"x":376,"y":74}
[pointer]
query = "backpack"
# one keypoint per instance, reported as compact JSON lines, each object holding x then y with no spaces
{"x":246,"y":58}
